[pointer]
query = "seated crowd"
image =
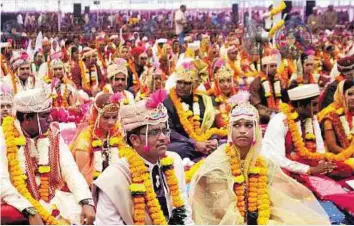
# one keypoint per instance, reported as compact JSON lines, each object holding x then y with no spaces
{"x":163,"y":132}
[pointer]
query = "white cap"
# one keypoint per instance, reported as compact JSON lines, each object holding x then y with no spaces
{"x":161,"y":40}
{"x":188,"y":38}
{"x":194,"y":45}
{"x":5,"y":44}
{"x":33,"y":100}
{"x":304,"y":92}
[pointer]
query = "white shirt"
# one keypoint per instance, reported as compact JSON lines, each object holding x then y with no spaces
{"x":9,"y":193}
{"x":274,"y":144}
{"x":130,"y":96}
{"x":179,"y":16}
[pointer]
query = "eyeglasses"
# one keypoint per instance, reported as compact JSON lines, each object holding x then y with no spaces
{"x":157,"y":132}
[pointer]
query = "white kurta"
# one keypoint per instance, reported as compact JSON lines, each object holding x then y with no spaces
{"x":29,"y":84}
{"x":274,"y":144}
{"x":107,"y":213}
{"x":9,"y":193}
{"x":129,"y":96}
{"x":67,"y":203}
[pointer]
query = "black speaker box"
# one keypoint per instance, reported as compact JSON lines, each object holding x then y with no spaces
{"x":235,"y":13}
{"x":77,"y":10}
{"x":309,"y":7}
{"x":87,"y":9}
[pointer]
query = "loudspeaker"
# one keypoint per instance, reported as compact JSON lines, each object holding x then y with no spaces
{"x":289,"y":6}
{"x":87,"y":9}
{"x":77,"y":10}
{"x":235,"y":13}
{"x":309,"y":8}
{"x":287,"y":10}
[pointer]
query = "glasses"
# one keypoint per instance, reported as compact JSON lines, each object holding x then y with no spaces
{"x":157,"y":132}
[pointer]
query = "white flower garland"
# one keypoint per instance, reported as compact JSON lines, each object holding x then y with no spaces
{"x":277,"y":88}
{"x":98,"y":163}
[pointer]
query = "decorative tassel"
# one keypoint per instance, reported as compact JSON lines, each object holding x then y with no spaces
{"x":146,"y":148}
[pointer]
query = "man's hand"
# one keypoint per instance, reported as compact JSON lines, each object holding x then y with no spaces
{"x":87,"y":215}
{"x":212,"y":145}
{"x":35,"y":220}
{"x":202,"y":147}
{"x":322,"y":168}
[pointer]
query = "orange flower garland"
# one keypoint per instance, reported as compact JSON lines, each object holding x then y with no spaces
{"x":16,"y":175}
{"x":186,"y":123}
{"x":62,"y":100}
{"x":257,"y":187}
{"x":311,"y":80}
{"x":86,"y":81}
{"x":44,"y":185}
{"x":238,"y":72}
{"x":190,"y":173}
{"x":14,"y":82}
{"x":273,"y":97}
{"x":299,"y":144}
{"x":48,"y":78}
{"x":103,"y":61}
{"x":142,"y":190}
{"x":344,"y":140}
{"x":334,"y":113}
{"x":136,"y":80}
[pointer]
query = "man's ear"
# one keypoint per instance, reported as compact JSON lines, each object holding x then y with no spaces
{"x":135,"y":140}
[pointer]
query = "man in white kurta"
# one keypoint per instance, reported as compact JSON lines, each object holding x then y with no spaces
{"x":74,"y":202}
{"x":22,"y":79}
{"x":274,"y":142}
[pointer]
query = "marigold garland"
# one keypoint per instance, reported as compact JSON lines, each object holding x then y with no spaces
{"x":142,"y":190}
{"x":61,"y":100}
{"x":340,"y":121}
{"x":278,"y":9}
{"x":275,"y":28}
{"x":183,"y":117}
{"x":257,"y":198}
{"x":102,"y":60}
{"x":14,"y":82}
{"x":299,"y":144}
{"x":272,"y":96}
{"x":311,"y":80}
{"x":190,"y":173}
{"x":86,"y":78}
{"x":136,"y":80}
{"x":48,"y":77}
{"x":16,"y":175}
{"x":344,"y":140}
